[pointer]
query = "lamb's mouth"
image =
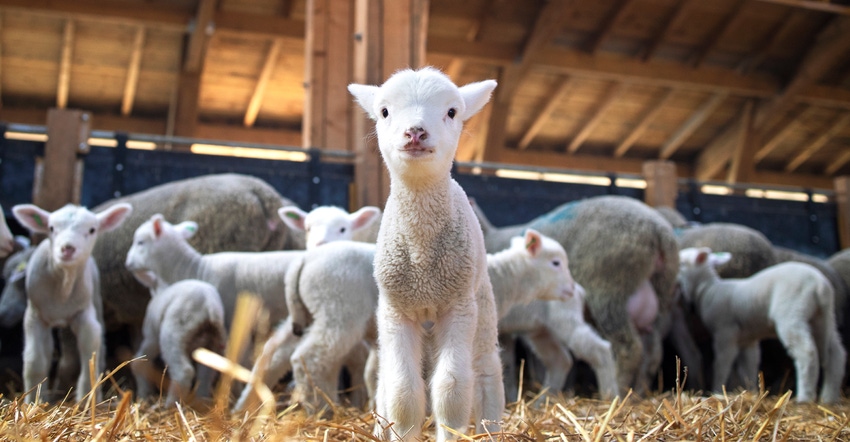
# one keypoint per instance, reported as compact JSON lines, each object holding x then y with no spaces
{"x":417,"y":149}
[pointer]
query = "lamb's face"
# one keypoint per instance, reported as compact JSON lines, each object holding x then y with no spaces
{"x":551,"y":265}
{"x":150,"y":249}
{"x":72,"y":234}
{"x":140,"y":253}
{"x":419,"y":117}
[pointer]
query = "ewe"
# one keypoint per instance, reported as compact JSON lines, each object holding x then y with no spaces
{"x":430,"y":262}
{"x":63,"y":288}
{"x":792,"y":301}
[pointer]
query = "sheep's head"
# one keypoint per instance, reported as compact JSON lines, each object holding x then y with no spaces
{"x":695,"y":262}
{"x":326,"y":224}
{"x":71,"y":230}
{"x":419,"y":117}
{"x":548,"y":260}
{"x":149,"y":249}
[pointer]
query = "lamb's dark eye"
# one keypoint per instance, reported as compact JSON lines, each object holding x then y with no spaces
{"x":51,"y":229}
{"x":452,"y":113}
{"x":385,"y":112}
{"x":556,"y":263}
{"x":342,"y":230}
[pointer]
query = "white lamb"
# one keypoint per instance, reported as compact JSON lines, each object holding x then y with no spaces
{"x":430,"y":263}
{"x":63,"y":288}
{"x":179,"y":319}
{"x":325,"y":224}
{"x":554,"y":330}
{"x":792,"y":301}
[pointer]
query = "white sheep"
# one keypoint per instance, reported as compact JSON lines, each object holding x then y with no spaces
{"x":63,"y":288}
{"x":179,"y":319}
{"x":430,"y":262}
{"x":792,"y":301}
{"x":330,"y":223}
{"x":555,"y":329}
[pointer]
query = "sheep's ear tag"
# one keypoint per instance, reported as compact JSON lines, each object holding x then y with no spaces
{"x":38,"y":219}
{"x":293,"y":215}
{"x":192,"y":229}
{"x":530,"y":244}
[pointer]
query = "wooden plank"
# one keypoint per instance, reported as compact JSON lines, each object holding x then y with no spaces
{"x":135,"y":65}
{"x":741,"y":166}
{"x":397,"y":35}
{"x":338,"y":106}
{"x":602,"y":164}
{"x":554,"y":100}
{"x":198,"y":39}
{"x":818,"y":142}
{"x":814,"y":5}
{"x":237,"y":133}
{"x":259,"y":26}
{"x":718,"y":34}
{"x":315,"y":73}
{"x":825,"y":96}
{"x":842,"y":202}
{"x":64,"y":81}
{"x":456,"y":66}
{"x":786,"y":130}
{"x":611,"y":96}
{"x":677,"y":14}
{"x":791,"y":179}
{"x":269,"y":64}
{"x":715,"y":156}
{"x":188,"y":91}
{"x":615,"y":16}
{"x":661,"y":183}
{"x":691,"y":125}
{"x":164,"y":15}
{"x":57,"y":184}
{"x":837,"y":163}
{"x":773,"y":37}
{"x":652,"y":112}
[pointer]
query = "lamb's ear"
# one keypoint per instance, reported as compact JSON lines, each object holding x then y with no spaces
{"x":719,"y":258}
{"x":702,"y":256}
{"x":365,"y":96}
{"x":32,"y":217}
{"x":533,"y":242}
{"x":187,"y":229}
{"x":114,"y":216}
{"x":364,"y":217}
{"x":475,"y":96}
{"x":293,"y":217}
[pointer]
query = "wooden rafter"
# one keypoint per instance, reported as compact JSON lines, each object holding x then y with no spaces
{"x":785,"y":131}
{"x":772,"y":38}
{"x":260,"y":88}
{"x":715,"y":156}
{"x":65,"y":65}
{"x":198,"y":39}
{"x":718,"y":34}
{"x":691,"y":125}
{"x":836,"y":164}
{"x":611,"y":96}
{"x":457,"y":64}
{"x":652,"y":112}
{"x":823,"y":6}
{"x":555,"y":99}
{"x":818,"y":142}
{"x":741,"y":166}
{"x":133,"y":72}
{"x":678,"y":12}
{"x":615,"y":16}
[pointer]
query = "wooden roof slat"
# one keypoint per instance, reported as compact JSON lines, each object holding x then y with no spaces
{"x":65,"y":65}
{"x":651,"y":113}
{"x":260,"y":88}
{"x":839,"y":162}
{"x":457,"y":64}
{"x":133,"y":72}
{"x":717,"y":35}
{"x":769,"y":42}
{"x":611,"y":96}
{"x":819,"y":142}
{"x":127,"y":12}
{"x":198,"y":39}
{"x":715,"y":156}
{"x":786,"y":130}
{"x":617,"y":13}
{"x":823,"y":6}
{"x":741,"y":166}
{"x":555,"y":99}
{"x":691,"y":125}
{"x":678,"y":12}
{"x":248,"y":25}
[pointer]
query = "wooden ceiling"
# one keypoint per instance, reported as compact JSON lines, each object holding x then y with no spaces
{"x":739,"y":90}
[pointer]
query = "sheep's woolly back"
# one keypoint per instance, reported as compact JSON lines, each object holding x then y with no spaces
{"x":236,"y":212}
{"x":751,"y":250}
{"x":672,"y":216}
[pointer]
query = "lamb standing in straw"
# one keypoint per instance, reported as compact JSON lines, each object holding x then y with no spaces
{"x":430,"y":263}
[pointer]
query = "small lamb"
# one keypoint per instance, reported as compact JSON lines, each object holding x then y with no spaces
{"x":179,"y":319}
{"x":63,"y":288}
{"x":430,"y":262}
{"x":330,"y":223}
{"x":792,"y":301}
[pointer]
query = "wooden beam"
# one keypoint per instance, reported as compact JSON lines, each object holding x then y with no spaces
{"x":814,"y":5}
{"x":457,"y":65}
{"x":791,"y":179}
{"x":678,"y":13}
{"x":691,"y":125}
{"x":772,"y":38}
{"x":615,"y":16}
{"x":661,"y":183}
{"x":602,"y":164}
{"x":260,"y":88}
{"x":65,"y":65}
{"x":785,"y":131}
{"x":648,"y":117}
{"x":825,"y":96}
{"x":741,"y":166}
{"x":59,"y":180}
{"x":198,"y":39}
{"x":283,"y":137}
{"x":842,"y":201}
{"x":259,"y":26}
{"x":718,"y":34}
{"x":133,"y":69}
{"x":554,"y":100}
{"x":836,"y":164}
{"x":186,"y":114}
{"x":715,"y":156}
{"x":611,"y":96}
{"x":818,"y":142}
{"x":164,"y":15}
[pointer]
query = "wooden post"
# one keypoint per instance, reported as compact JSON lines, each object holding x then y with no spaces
{"x":388,"y":35}
{"x":59,"y":174}
{"x":661,"y":183}
{"x":842,"y":200}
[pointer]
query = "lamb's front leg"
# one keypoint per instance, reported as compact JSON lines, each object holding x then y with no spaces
{"x":453,"y":378}
{"x":142,"y":365}
{"x":89,"y":335}
{"x":747,"y":366}
{"x":725,"y":352}
{"x":38,"y":347}
{"x":400,"y":402}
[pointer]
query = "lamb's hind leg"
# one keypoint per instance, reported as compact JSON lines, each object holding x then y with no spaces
{"x":797,"y":339}
{"x":452,"y":381}
{"x":180,"y":370}
{"x":834,"y":358}
{"x":89,"y":339}
{"x":400,"y":401}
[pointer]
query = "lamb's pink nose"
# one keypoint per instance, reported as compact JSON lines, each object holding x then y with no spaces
{"x":68,"y":251}
{"x":416,"y":134}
